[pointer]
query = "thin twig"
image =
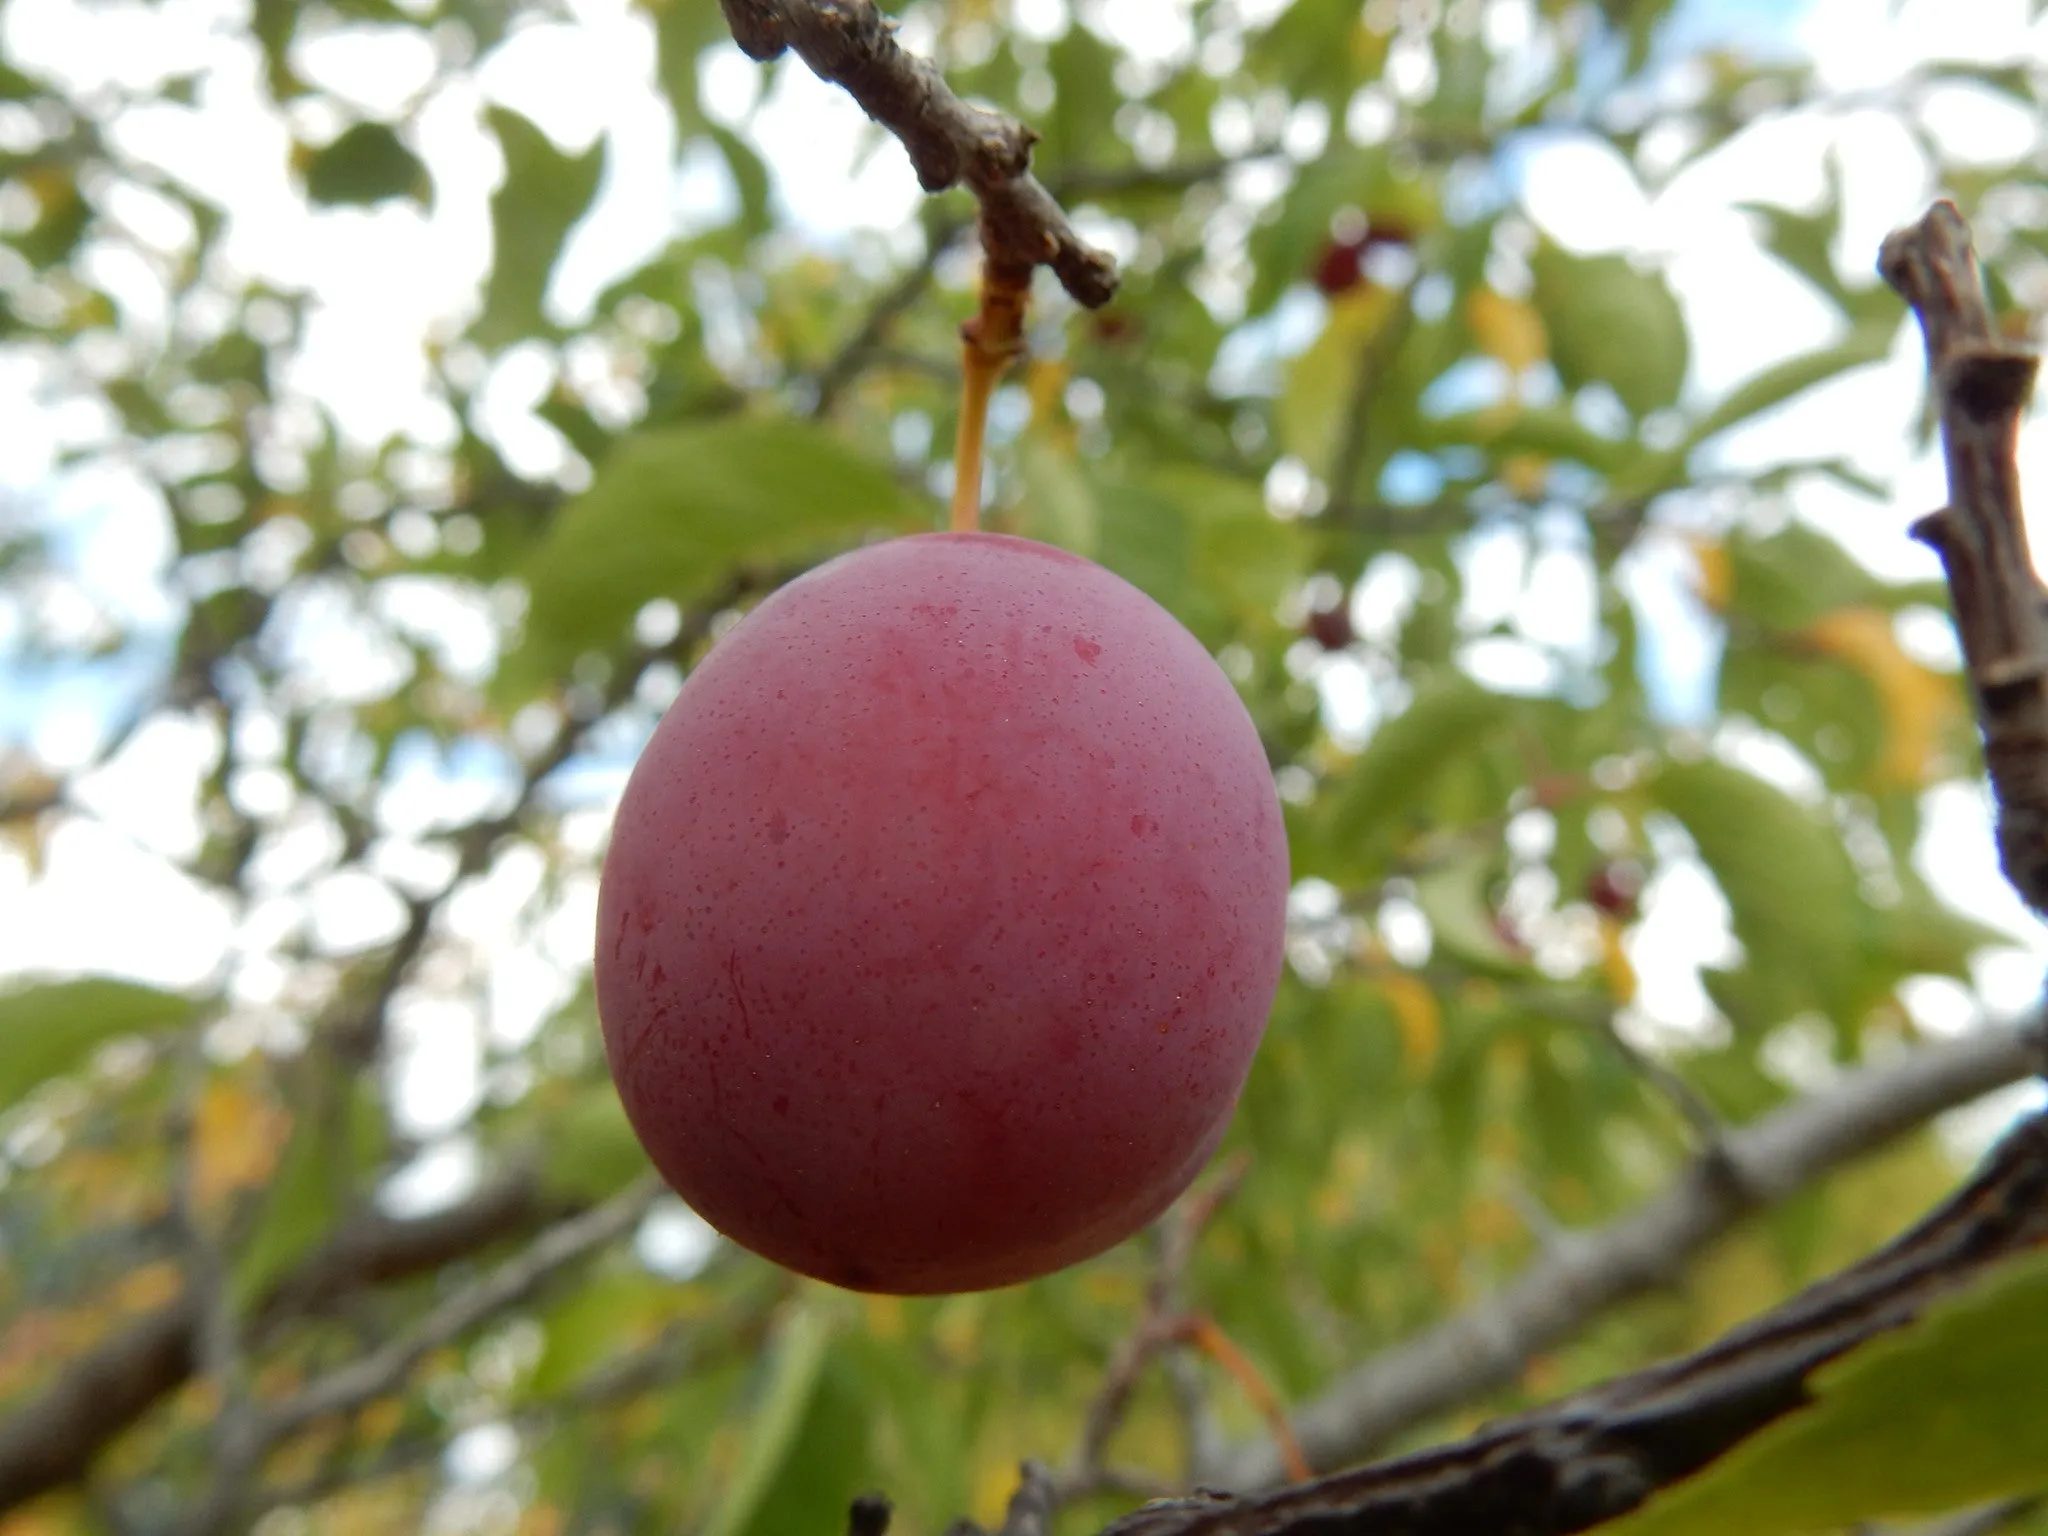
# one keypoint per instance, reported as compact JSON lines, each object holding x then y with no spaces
{"x":1709,"y":1130}
{"x":1206,"y":1335}
{"x":864,"y":345}
{"x":1157,"y":1326}
{"x":386,"y":1370}
{"x":217,"y":1331}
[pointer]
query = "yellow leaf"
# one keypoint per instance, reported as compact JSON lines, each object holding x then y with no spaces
{"x":1491,"y":1222}
{"x":884,"y":1317}
{"x":147,"y":1288}
{"x":379,"y":1422}
{"x":995,"y":1479}
{"x":1508,"y":329}
{"x":1614,"y":961}
{"x":1045,"y":381}
{"x":957,"y":1330}
{"x":1420,"y":1017}
{"x":1336,"y":1198}
{"x":1713,"y":572}
{"x":1920,"y":705}
{"x":238,"y":1135}
{"x":1526,"y":474}
{"x":25,"y":835}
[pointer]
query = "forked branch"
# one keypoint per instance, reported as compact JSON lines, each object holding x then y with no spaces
{"x":950,"y":143}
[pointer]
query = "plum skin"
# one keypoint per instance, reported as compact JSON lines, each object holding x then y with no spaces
{"x":941,"y":918}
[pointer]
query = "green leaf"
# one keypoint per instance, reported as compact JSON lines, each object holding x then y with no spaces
{"x":1867,"y":344}
{"x":682,"y":31}
{"x":63,"y":215}
{"x":1059,"y":503}
{"x":1805,"y":243}
{"x":1790,"y":887}
{"x":828,"y":1463}
{"x":1400,"y":765}
{"x":1551,"y":431}
{"x":599,"y":1320}
{"x":591,"y":1148}
{"x":544,"y":193}
{"x":366,"y":164}
{"x":52,"y":1027}
{"x":1940,"y":1414}
{"x":1922,"y":935}
{"x":1788,"y":579}
{"x":673,"y":510}
{"x":1612,"y":324}
{"x":795,"y":1368}
{"x":749,"y":175}
{"x":1452,"y":895}
{"x":317,"y":1176}
{"x":1322,"y":382}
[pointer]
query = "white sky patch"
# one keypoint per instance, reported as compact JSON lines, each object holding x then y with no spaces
{"x":150,"y":790}
{"x":835,"y":172}
{"x":674,"y":1241}
{"x":434,"y":1063}
{"x":1861,"y":44}
{"x":350,"y":911}
{"x":439,"y":1176}
{"x":104,"y":905}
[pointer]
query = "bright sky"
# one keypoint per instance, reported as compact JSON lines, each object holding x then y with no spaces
{"x":106,"y":898}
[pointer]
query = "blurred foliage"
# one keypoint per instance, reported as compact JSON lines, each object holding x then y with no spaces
{"x":1347,"y":380}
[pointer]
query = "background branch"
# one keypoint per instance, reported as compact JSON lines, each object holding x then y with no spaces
{"x":52,"y":1441}
{"x":1597,"y":1454}
{"x":1488,"y":1346}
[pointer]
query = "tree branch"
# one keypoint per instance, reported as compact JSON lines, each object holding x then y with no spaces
{"x":1164,"y":1305}
{"x":53,"y":1441}
{"x":1600,"y":1453}
{"x":385,"y":1370}
{"x":1982,"y":382}
{"x":852,"y":44}
{"x":1488,"y":1346}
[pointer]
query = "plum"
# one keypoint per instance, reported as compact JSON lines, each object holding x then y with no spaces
{"x":941,"y":917}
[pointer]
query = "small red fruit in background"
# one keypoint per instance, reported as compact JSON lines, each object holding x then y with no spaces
{"x":941,"y":917}
{"x":1331,"y":627}
{"x":1615,"y":888}
{"x":1340,"y":265}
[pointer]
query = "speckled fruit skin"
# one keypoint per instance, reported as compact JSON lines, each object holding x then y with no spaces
{"x":941,"y":918}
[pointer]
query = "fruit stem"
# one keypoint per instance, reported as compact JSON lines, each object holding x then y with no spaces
{"x":989,"y":343}
{"x":1202,"y":1333}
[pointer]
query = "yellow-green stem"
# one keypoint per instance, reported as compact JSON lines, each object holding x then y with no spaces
{"x":978,"y":373}
{"x":988,"y":342}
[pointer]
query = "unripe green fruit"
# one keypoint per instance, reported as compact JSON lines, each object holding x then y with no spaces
{"x":941,"y":918}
